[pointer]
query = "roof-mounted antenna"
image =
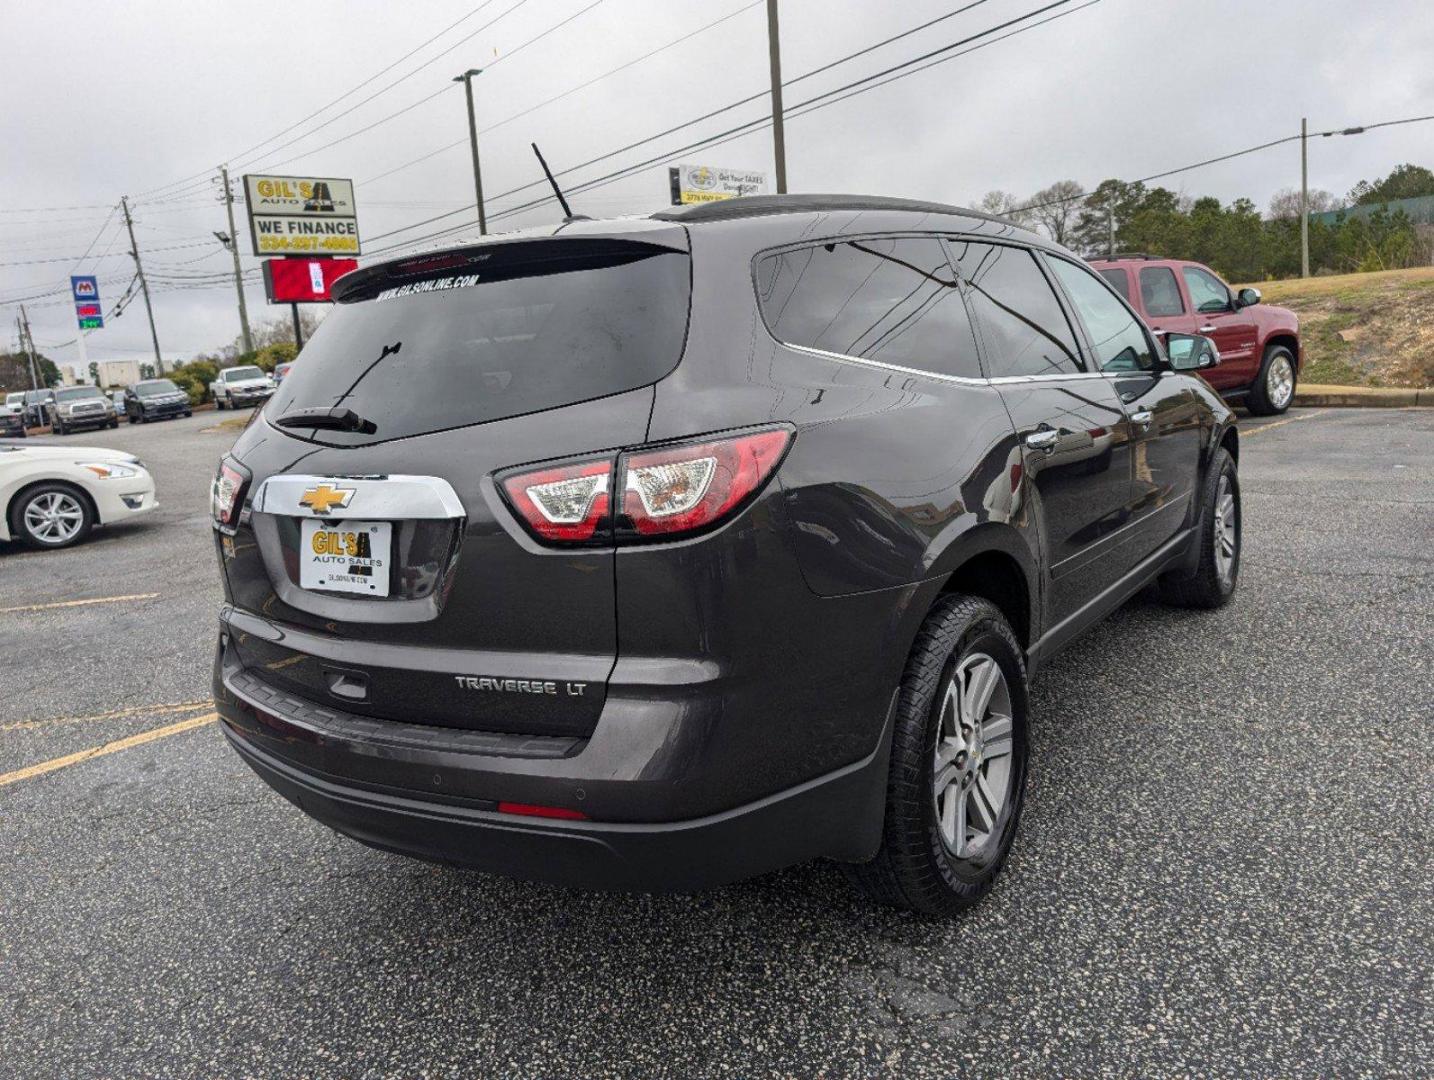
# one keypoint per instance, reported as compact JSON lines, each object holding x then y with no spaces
{"x":568,"y":214}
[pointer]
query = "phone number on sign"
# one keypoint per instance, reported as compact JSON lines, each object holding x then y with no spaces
{"x":347,"y":244}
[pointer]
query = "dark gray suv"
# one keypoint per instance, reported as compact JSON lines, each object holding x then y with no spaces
{"x":658,"y":553}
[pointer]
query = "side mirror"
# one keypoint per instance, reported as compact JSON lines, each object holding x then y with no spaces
{"x":1191,"y":352}
{"x":1247,"y":297}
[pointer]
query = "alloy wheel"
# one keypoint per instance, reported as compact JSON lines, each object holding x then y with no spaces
{"x":1280,"y":382}
{"x":971,"y":766}
{"x":1226,"y":536}
{"x":54,"y":517}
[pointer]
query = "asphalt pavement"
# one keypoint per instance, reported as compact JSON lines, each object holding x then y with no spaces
{"x":1224,"y":867}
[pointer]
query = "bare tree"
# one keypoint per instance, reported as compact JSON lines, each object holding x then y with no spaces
{"x":1003,"y":204}
{"x":1056,"y":208}
{"x":1286,"y":203}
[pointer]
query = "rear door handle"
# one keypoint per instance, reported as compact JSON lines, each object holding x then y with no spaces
{"x":1144,"y":418}
{"x":1044,"y":439}
{"x":1210,"y":329}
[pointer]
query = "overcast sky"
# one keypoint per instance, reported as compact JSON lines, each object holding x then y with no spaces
{"x":146,"y":98}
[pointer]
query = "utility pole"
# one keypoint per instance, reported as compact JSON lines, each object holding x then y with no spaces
{"x":144,"y":285}
{"x":234,"y":250}
{"x":1304,"y":198}
{"x":467,"y":80}
{"x":779,"y":135}
{"x":1110,"y":227}
{"x":22,"y":324}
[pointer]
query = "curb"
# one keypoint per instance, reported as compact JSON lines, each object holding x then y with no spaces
{"x":1369,"y":397}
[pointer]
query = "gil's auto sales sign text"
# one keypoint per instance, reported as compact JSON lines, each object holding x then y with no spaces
{"x":301,"y":215}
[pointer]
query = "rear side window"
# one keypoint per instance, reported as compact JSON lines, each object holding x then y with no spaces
{"x":1159,"y":292}
{"x":892,"y":300}
{"x":1025,"y":330}
{"x":1119,"y":341}
{"x":553,"y":324}
{"x":1119,"y":281}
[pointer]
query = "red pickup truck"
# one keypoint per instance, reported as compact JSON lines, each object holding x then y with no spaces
{"x":1259,"y":345}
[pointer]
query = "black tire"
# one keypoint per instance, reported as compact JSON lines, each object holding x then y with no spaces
{"x":114,"y":422}
{"x":1271,"y":400}
{"x":144,"y":418}
{"x":218,"y":405}
{"x":59,"y":429}
{"x":20,"y":529}
{"x":915,"y":868}
{"x":1211,"y":583}
{"x":133,"y":419}
{"x":188,"y":415}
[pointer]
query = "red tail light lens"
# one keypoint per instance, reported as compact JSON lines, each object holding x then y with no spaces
{"x":226,"y":496}
{"x":564,"y":503}
{"x":690,"y":486}
{"x":665,"y":491}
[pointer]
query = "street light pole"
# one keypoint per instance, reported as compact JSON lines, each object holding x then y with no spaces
{"x":1304,"y":198}
{"x":467,"y":80}
{"x":779,"y":135}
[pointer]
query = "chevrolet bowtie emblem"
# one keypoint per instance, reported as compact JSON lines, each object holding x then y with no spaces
{"x":323,"y":498}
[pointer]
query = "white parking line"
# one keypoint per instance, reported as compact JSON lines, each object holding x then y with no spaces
{"x":77,"y":603}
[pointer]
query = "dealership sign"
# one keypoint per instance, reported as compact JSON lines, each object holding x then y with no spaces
{"x":705,"y":183}
{"x":301,"y":215}
{"x":303,"y":281}
{"x":86,"y":292}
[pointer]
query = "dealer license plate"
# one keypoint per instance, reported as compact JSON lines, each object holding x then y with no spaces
{"x":351,"y":556}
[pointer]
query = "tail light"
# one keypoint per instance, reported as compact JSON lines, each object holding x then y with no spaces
{"x":566,"y":504}
{"x":653,"y":493}
{"x":226,"y":496}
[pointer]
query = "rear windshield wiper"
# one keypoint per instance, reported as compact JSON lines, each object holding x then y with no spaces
{"x":334,"y":419}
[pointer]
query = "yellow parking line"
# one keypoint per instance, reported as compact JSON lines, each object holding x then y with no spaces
{"x":31,"y":771}
{"x":114,"y":714}
{"x":78,"y":603}
{"x":1281,"y":423}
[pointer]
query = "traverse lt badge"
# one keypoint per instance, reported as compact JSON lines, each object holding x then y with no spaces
{"x":324,"y":498}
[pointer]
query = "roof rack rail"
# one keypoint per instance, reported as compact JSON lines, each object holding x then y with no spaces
{"x":1126,"y":255}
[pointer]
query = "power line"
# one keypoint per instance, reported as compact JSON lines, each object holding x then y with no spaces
{"x":567,"y":93}
{"x":348,"y":93}
{"x":383,"y":90}
{"x":744,"y":128}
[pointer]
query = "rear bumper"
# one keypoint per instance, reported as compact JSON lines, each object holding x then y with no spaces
{"x":790,"y":827}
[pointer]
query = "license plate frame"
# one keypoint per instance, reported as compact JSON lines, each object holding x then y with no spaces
{"x":337,"y":562}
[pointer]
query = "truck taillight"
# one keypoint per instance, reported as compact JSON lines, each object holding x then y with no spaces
{"x":653,"y":493}
{"x":226,"y":496}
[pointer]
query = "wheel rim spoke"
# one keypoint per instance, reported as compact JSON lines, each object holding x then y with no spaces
{"x":972,"y":756}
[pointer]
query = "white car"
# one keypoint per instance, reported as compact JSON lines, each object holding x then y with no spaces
{"x":237,"y":387}
{"x":52,"y":496}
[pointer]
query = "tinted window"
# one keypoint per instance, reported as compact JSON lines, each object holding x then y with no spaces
{"x":1119,"y":281}
{"x":1159,"y":293}
{"x":1024,"y":328}
{"x":239,"y":373}
{"x":1120,"y":341}
{"x":75,"y":393}
{"x":891,"y":300}
{"x":1207,"y":292}
{"x":158,"y":386}
{"x":563,"y":322}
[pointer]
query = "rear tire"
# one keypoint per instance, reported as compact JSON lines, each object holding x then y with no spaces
{"x":1274,"y":387}
{"x":114,"y":423}
{"x":958,"y":763}
{"x":1213,"y":581}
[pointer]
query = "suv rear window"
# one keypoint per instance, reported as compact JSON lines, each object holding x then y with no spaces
{"x":1118,"y":281}
{"x":540,"y":326}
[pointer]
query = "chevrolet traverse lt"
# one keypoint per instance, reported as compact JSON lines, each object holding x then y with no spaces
{"x":662,"y":552}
